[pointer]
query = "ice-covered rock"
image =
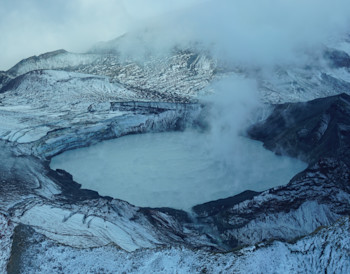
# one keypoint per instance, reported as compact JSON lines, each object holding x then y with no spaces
{"x":327,"y":249}
{"x":6,"y":231}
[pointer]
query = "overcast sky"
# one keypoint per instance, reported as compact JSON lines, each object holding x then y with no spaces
{"x":31,"y":27}
{"x":262,"y":31}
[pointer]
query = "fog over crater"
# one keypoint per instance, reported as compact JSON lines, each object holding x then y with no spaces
{"x":183,"y":169}
{"x":174,"y":169}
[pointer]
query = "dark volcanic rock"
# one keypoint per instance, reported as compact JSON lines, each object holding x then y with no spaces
{"x":337,"y":58}
{"x":4,"y":79}
{"x":214,"y":207}
{"x":11,"y":84}
{"x":71,"y":190}
{"x":22,"y":240}
{"x":311,"y":130}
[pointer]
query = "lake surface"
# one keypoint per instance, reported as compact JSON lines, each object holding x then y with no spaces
{"x":176,"y":169}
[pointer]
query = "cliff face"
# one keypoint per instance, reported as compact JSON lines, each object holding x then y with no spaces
{"x":319,"y":128}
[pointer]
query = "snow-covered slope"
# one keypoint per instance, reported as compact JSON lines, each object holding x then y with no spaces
{"x":60,"y":101}
{"x":42,"y":101}
{"x":177,"y":77}
{"x":326,"y":250}
{"x":58,"y":59}
{"x":184,"y":75}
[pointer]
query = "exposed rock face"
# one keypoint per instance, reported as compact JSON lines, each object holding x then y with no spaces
{"x":4,"y":78}
{"x":6,"y":231}
{"x":137,"y":117}
{"x":312,"y":130}
{"x":337,"y":58}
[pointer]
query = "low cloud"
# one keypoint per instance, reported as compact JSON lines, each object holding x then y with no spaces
{"x":247,"y":32}
{"x":32,"y":27}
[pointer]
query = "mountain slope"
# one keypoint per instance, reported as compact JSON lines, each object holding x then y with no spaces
{"x":326,"y":250}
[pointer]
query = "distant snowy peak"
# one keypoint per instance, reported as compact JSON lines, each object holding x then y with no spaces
{"x":182,"y":75}
{"x":177,"y":77}
{"x":52,"y":88}
{"x":59,"y":59}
